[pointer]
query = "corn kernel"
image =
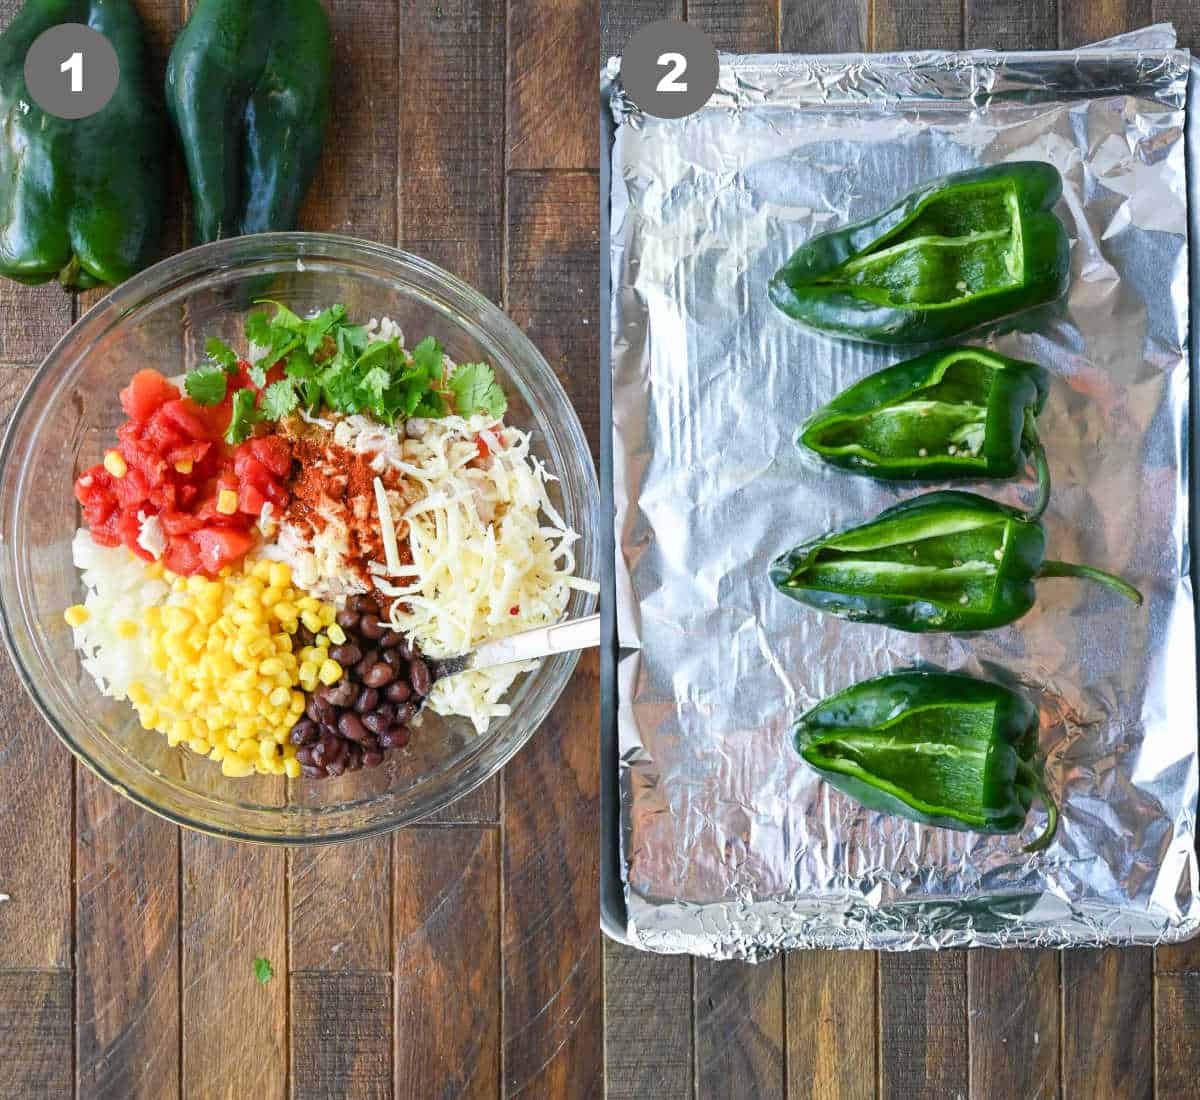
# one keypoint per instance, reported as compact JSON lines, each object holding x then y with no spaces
{"x":114,"y":463}
{"x":227,"y":502}
{"x":184,"y":466}
{"x":336,"y":634}
{"x":280,"y":575}
{"x":285,"y":611}
{"x":291,"y":768}
{"x":77,"y":615}
{"x":138,"y":695}
{"x":155,"y":570}
{"x":327,"y":615}
{"x":280,"y":697}
{"x":272,"y":666}
{"x":322,"y":643}
{"x":236,"y":768}
{"x":330,"y":673}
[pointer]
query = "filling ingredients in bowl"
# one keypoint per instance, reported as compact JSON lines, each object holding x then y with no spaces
{"x":275,"y":543}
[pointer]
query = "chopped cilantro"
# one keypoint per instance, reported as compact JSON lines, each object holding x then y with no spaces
{"x":221,"y":354}
{"x":243,"y":417}
{"x":206,"y":385}
{"x":263,"y":970}
{"x":476,"y":390}
{"x":279,"y":399}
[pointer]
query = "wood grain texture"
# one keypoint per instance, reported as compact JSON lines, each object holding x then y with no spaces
{"x":1011,"y":24}
{"x":35,"y":1039}
{"x":1176,"y":1019}
{"x":837,"y":26}
{"x":355,"y":190}
{"x":647,"y":1025}
{"x":341,"y":1037}
{"x":235,"y":1028}
{"x":917,"y":25}
{"x":1108,"y":1042}
{"x":739,"y":1029}
{"x":923,"y":1025}
{"x":127,"y":955}
{"x":1085,"y":21}
{"x":553,"y":249}
{"x":480,"y":807}
{"x":1185,"y":14}
{"x":739,"y":26}
{"x":832,"y":1024}
{"x":452,"y":158}
{"x":552,"y":955}
{"x":447,"y":964}
{"x":619,"y":21}
{"x":553,"y":62}
{"x":1012,"y":1009}
{"x":340,"y":906}
{"x":32,"y":318}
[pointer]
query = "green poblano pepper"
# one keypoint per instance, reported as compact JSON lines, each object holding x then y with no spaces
{"x":934,"y":747}
{"x":946,"y":561}
{"x":81,"y":200}
{"x":958,"y":252}
{"x":954,"y":413}
{"x":248,"y":91}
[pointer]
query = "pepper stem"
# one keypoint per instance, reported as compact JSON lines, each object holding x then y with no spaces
{"x":1041,"y":842}
{"x":1109,"y":580}
{"x":1041,"y":465}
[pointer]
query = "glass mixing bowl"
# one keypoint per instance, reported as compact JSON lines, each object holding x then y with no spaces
{"x":65,"y":421}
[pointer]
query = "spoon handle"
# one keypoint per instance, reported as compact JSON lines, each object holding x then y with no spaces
{"x":543,"y":641}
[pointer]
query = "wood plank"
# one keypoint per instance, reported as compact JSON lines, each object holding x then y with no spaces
{"x":1012,"y":1008}
{"x":739,"y":26}
{"x":234,"y":1027}
{"x":1011,"y":24}
{"x":341,"y":1038}
{"x":832,"y":1024}
{"x":553,"y":246}
{"x":452,"y":157}
{"x":618,"y":21}
{"x":917,"y":25}
{"x":1176,"y":1019}
{"x":550,"y":882}
{"x":1185,"y":14}
{"x":739,"y":1029}
{"x":923,"y":1025}
{"x":480,"y":807}
{"x":553,"y":61}
{"x":355,"y":190}
{"x":1083,"y":21}
{"x":340,"y":904}
{"x":1108,"y":1041}
{"x":836,"y":26}
{"x":447,"y":964}
{"x":127,"y":960}
{"x":35,"y":1041}
{"x":32,"y":318}
{"x":648,"y":1025}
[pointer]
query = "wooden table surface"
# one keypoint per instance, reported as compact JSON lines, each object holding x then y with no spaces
{"x":1092,"y":1025}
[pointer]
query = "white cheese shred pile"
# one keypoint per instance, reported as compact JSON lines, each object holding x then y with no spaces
{"x":491,"y":555}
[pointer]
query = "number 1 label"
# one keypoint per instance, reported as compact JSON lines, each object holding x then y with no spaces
{"x":74,"y":66}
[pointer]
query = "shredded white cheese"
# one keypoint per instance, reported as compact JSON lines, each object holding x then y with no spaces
{"x":387,"y":528}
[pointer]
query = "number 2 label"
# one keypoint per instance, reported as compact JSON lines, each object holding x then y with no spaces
{"x":678,"y":66}
{"x":74,"y":66}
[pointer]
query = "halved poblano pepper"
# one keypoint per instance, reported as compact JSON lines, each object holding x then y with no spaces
{"x":934,"y":747}
{"x":946,"y":561}
{"x":958,"y":252}
{"x":954,"y":413}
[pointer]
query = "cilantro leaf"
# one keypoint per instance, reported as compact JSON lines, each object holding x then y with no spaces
{"x":476,"y":390}
{"x":243,"y":418}
{"x":206,"y":385}
{"x":221,"y":354}
{"x":263,"y":970}
{"x":258,"y":329}
{"x":284,"y":318}
{"x":431,"y":404}
{"x":279,"y":399}
{"x":257,"y":374}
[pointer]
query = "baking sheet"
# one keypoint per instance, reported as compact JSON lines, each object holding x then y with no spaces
{"x":730,"y":847}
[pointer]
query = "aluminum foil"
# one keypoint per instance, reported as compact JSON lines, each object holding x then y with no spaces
{"x":731,"y":847}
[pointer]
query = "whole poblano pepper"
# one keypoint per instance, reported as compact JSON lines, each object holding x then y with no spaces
{"x":81,"y":200}
{"x":946,"y":561}
{"x":958,"y":252}
{"x":954,"y":413}
{"x":248,"y":91}
{"x":934,"y":747}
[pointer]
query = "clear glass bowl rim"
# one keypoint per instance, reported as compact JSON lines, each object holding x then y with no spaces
{"x":475,"y":312}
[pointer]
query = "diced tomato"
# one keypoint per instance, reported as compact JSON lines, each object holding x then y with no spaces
{"x":273,"y":452}
{"x":146,"y":392}
{"x":187,"y":417}
{"x":248,"y":468}
{"x":97,"y":510}
{"x":277,"y":494}
{"x":182,"y":556}
{"x":219,"y":547}
{"x":162,"y":434}
{"x":250,"y":500}
{"x":481,"y":446}
{"x":188,"y":494}
{"x":106,"y":533}
{"x":132,"y":490}
{"x":188,"y":452}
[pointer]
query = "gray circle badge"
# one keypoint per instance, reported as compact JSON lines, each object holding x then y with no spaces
{"x":71,"y":71}
{"x":669,"y":68}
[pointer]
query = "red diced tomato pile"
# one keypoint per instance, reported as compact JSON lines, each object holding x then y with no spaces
{"x":177,"y":463}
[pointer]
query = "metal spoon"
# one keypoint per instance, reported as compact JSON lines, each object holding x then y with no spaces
{"x":542,"y":641}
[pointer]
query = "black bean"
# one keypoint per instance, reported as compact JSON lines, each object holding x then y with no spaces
{"x":317,"y":752}
{"x":350,"y":726}
{"x":370,"y":743}
{"x":378,"y":675}
{"x":400,"y":736}
{"x":312,"y":771}
{"x":343,"y":694}
{"x":367,"y":701}
{"x":392,"y":658}
{"x":304,"y":636}
{"x":368,"y":659}
{"x":358,"y":603}
{"x":303,"y":731}
{"x":372,"y":758}
{"x":404,"y":712}
{"x":386,"y":741}
{"x":418,"y":676}
{"x":304,"y":754}
{"x":376,"y":722}
{"x":407,"y":650}
{"x":346,"y":655}
{"x":397,"y":692}
{"x":335,"y":767}
{"x":313,"y":708}
{"x":391,"y":638}
{"x":371,"y":627}
{"x":348,"y":620}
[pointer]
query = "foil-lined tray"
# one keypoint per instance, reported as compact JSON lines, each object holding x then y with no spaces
{"x":728,"y":845}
